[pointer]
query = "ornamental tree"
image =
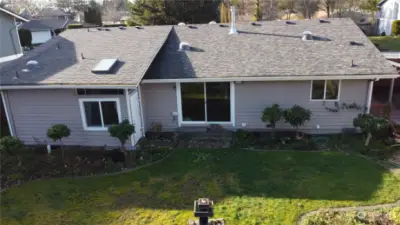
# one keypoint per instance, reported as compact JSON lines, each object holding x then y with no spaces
{"x":272,"y":115}
{"x":122,"y":131}
{"x":296,"y":116}
{"x":370,"y":125}
{"x":58,"y":132}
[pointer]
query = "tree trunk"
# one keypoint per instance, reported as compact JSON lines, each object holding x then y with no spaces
{"x":369,"y":136}
{"x":62,"y":148}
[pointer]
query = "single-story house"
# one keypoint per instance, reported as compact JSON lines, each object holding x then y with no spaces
{"x":43,"y":30}
{"x":10,"y":46}
{"x":190,"y":77}
{"x":388,"y":12}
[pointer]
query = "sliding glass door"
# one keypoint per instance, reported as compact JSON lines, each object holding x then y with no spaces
{"x":206,"y":102}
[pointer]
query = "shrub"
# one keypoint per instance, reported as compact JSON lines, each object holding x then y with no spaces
{"x":296,"y":116}
{"x":370,"y":125}
{"x":25,"y":37}
{"x":115,"y":25}
{"x":10,"y":146}
{"x":396,"y":27}
{"x":74,"y":26}
{"x":272,"y":114}
{"x":58,"y":132}
{"x":122,"y":131}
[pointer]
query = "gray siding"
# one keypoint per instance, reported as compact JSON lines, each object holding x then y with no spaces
{"x":252,"y":97}
{"x":9,"y":42}
{"x":159,"y":102}
{"x":34,"y":111}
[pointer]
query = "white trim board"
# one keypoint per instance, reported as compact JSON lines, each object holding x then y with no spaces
{"x":10,"y":57}
{"x":14,"y":15}
{"x":232,"y":107}
{"x":66,"y":86}
{"x":3,"y":98}
{"x":99,"y":100}
{"x":288,"y":78}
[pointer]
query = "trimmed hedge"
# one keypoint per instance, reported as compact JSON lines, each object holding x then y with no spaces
{"x":396,"y":27}
{"x":74,"y":26}
{"x":115,"y":25}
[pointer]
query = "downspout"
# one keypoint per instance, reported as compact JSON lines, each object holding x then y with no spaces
{"x":8,"y":116}
{"x":369,"y":96}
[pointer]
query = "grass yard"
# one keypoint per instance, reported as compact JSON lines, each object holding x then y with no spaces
{"x":386,"y":43}
{"x":247,"y":188}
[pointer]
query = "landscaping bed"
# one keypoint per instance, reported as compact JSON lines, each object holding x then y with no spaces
{"x":355,"y":217}
{"x":35,"y":163}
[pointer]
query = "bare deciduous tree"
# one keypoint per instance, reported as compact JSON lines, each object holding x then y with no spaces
{"x":112,"y":10}
{"x":31,"y":6}
{"x":287,"y":6}
{"x":307,"y":7}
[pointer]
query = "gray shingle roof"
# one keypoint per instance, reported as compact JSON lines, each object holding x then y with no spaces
{"x":60,"y":58}
{"x":273,"y":48}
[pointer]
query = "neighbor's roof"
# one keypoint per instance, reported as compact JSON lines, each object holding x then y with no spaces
{"x":59,"y":59}
{"x":46,"y":12}
{"x":46,"y":24}
{"x":269,"y":49}
{"x":11,"y":13}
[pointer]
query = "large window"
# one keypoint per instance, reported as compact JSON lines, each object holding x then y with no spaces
{"x":98,"y":114}
{"x":325,"y":90}
{"x":206,"y":102}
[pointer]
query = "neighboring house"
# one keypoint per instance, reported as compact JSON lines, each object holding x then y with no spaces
{"x":44,"y":30}
{"x":10,"y":46}
{"x":388,"y":12}
{"x":52,"y":14}
{"x":189,"y":77}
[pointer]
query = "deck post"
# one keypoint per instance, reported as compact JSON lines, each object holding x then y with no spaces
{"x":391,"y":90}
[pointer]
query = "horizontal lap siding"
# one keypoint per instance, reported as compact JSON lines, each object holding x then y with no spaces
{"x":252,"y":97}
{"x":159,"y":101}
{"x":34,"y":111}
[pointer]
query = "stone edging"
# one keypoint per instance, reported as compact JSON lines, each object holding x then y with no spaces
{"x":346,"y":209}
{"x":98,"y":175}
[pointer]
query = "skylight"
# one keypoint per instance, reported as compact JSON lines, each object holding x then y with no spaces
{"x":104,"y":66}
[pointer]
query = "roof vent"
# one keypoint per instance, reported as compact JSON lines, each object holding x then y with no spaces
{"x":192,"y":27}
{"x":223,"y":25}
{"x":306,"y":36}
{"x":290,"y":22}
{"x":107,"y":29}
{"x":181,"y":24}
{"x":354,"y":43}
{"x":32,"y":63}
{"x":212,"y":22}
{"x":105,"y":66}
{"x":324,"y":21}
{"x":184,"y":46}
{"x":233,"y":21}
{"x":121,"y":28}
{"x":256,"y":24}
{"x":139,"y":27}
{"x":99,"y":29}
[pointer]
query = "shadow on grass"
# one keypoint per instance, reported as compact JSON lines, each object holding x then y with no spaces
{"x":189,"y":174}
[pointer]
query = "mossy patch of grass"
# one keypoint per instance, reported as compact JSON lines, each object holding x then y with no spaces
{"x":247,"y":188}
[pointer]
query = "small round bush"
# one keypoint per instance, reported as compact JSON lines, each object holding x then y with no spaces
{"x":11,"y":145}
{"x":58,"y":132}
{"x":297,"y":116}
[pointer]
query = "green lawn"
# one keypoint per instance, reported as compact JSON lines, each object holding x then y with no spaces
{"x":386,"y":43}
{"x":247,"y":187}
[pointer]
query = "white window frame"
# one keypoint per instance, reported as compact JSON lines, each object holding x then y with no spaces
{"x":180,"y":114}
{"x":324,"y":99}
{"x":99,"y":100}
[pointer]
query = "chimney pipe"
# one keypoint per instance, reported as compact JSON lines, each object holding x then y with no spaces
{"x":233,"y":21}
